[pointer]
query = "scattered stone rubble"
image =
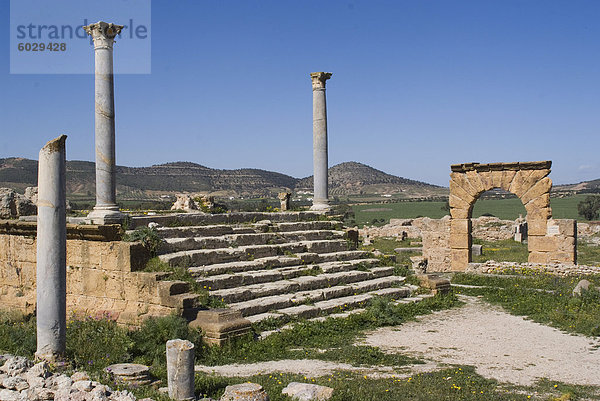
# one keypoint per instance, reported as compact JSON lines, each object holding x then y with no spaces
{"x":14,"y":205}
{"x":20,"y":380}
{"x":493,"y":267}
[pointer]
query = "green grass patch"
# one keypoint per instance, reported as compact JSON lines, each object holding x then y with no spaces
{"x":460,"y":383}
{"x":588,"y":255}
{"x":502,"y":251}
{"x":544,"y":298}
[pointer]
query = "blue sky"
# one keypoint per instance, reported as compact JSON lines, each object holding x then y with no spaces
{"x":416,"y":86}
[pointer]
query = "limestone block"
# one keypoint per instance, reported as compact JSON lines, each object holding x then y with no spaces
{"x":497,"y":179}
{"x":536,"y":226}
{"x":475,"y":181}
{"x":486,"y":180}
{"x":461,"y":180}
{"x":94,"y":283}
{"x":541,"y":202}
{"x":458,"y":213}
{"x":456,"y":202}
{"x":519,"y":184}
{"x":563,"y":257}
{"x":74,"y":280}
{"x":221,"y":325}
{"x":306,"y":391}
{"x":543,"y":213}
{"x":568,"y":227}
{"x":460,"y":226}
{"x":457,"y":190}
{"x":539,"y":243}
{"x":541,"y":187}
{"x":460,"y":259}
{"x":539,"y":257}
{"x":460,"y":241}
{"x":115,"y":285}
{"x":507,"y":178}
{"x":535,"y":176}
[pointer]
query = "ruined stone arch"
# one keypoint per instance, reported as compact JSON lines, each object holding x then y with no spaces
{"x":530,"y":182}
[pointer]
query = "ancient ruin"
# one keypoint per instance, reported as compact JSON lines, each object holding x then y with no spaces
{"x":320,"y":158}
{"x":549,"y":240}
{"x":106,"y":210}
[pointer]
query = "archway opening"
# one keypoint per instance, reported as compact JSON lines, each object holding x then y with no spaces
{"x":498,"y":221}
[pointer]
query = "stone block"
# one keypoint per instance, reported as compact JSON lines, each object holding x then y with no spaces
{"x":460,"y":226}
{"x":563,"y":257}
{"x":459,"y":259}
{"x":507,"y":178}
{"x":475,"y":181}
{"x":536,"y":226}
{"x":458,"y":213}
{"x":306,"y":391}
{"x":461,"y":181}
{"x":486,"y":180}
{"x":539,"y":188}
{"x":541,"y":202}
{"x":519,"y":183}
{"x":538,"y":213}
{"x":221,"y":325}
{"x":457,"y":190}
{"x":456,"y":202}
{"x":542,"y":243}
{"x":539,"y":257}
{"x":94,"y":282}
{"x":476,"y":250}
{"x":460,"y":241}
{"x":568,"y":227}
{"x":437,"y":284}
{"x":497,"y":179}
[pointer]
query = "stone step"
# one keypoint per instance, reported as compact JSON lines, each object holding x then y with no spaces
{"x":194,"y":231}
{"x":276,"y":302}
{"x":331,"y":306}
{"x":222,"y":255}
{"x":200,"y":219}
{"x":342,"y":255}
{"x":171,"y":245}
{"x":249,"y":277}
{"x":305,"y":226}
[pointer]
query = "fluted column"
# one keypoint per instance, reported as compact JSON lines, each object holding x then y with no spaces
{"x":51,"y":265}
{"x":106,"y":210}
{"x":320,"y":159}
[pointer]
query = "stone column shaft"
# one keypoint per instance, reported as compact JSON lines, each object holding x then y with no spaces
{"x":51,"y":269}
{"x":180,"y":369}
{"x":106,"y":209}
{"x":320,"y":157}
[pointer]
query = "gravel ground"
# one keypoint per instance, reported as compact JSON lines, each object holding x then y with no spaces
{"x":501,"y":346}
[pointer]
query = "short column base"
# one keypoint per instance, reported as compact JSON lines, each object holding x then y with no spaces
{"x":106,"y":214}
{"x":321,"y":206}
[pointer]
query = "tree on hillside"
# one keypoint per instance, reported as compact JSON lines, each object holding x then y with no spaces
{"x":589,"y":208}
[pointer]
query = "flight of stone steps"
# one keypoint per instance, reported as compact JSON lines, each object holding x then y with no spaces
{"x":277,"y":266}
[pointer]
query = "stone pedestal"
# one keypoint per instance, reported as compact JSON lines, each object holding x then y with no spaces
{"x":106,"y":210}
{"x":320,"y":158}
{"x":221,"y":325}
{"x":284,"y":199}
{"x":180,"y":369}
{"x":51,"y":275}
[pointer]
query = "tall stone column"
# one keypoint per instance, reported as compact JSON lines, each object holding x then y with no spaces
{"x":320,"y":161}
{"x":51,"y":280}
{"x":106,"y":210}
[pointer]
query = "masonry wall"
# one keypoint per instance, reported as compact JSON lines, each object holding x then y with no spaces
{"x":103,"y":278}
{"x":435,"y":234}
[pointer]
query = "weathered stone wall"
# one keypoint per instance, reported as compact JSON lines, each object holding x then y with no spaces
{"x":435,"y":234}
{"x":103,"y":277}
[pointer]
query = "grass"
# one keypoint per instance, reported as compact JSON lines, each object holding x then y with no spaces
{"x":588,"y":255}
{"x":543,"y":297}
{"x":506,"y":209}
{"x":502,"y":251}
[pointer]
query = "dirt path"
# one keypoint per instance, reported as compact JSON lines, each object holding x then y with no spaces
{"x":501,"y":346}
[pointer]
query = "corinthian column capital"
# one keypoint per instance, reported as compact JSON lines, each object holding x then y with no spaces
{"x":319,"y":78}
{"x":103,"y":34}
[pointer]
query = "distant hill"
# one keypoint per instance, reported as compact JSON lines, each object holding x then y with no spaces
{"x":355,"y":178}
{"x":583,"y":187}
{"x":345,"y":178}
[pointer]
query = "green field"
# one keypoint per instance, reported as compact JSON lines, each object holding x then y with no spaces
{"x":508,"y":209}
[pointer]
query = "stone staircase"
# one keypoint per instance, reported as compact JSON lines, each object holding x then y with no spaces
{"x":275,"y":265}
